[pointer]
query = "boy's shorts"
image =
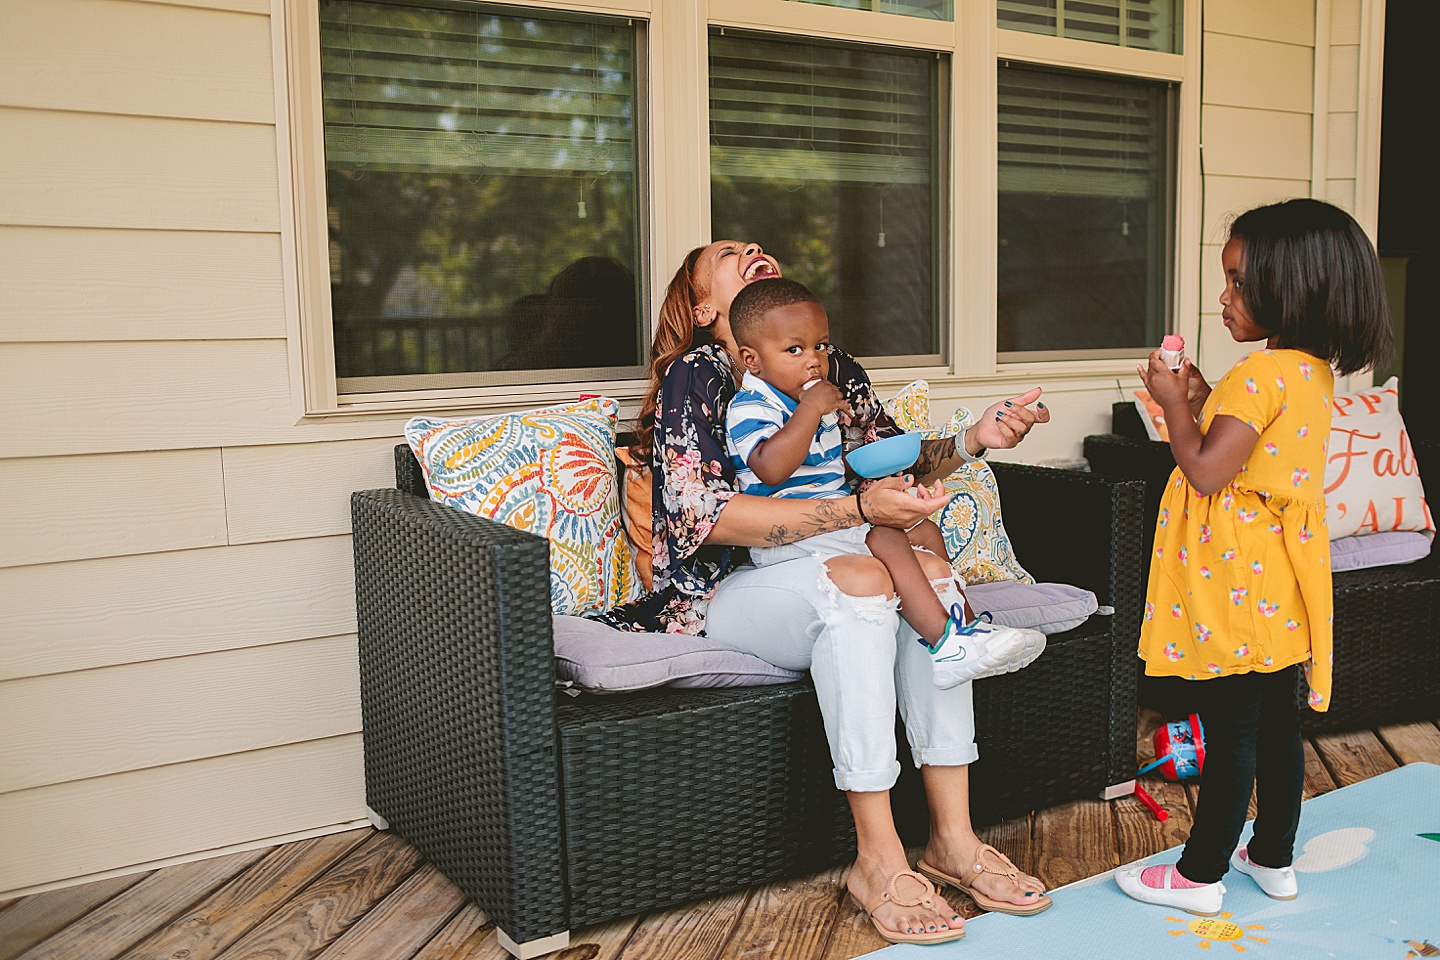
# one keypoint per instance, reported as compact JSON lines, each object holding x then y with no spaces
{"x":836,"y":543}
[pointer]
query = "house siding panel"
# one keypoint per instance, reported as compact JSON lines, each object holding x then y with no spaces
{"x":150,"y":502}
{"x":171,"y":711}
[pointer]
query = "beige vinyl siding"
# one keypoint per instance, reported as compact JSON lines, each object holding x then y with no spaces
{"x":228,"y":702}
{"x":173,"y":678}
{"x":90,"y":826}
{"x":97,"y":613}
{"x":78,"y":284}
{"x":177,"y":649}
{"x":49,"y":513}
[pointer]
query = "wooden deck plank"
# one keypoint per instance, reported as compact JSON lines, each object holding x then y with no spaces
{"x":1138,"y":834}
{"x":127,"y":919}
{"x":33,"y":918}
{"x":1353,"y":756}
{"x":788,"y":920}
{"x":469,"y":935}
{"x":328,"y":907}
{"x":852,"y":933}
{"x":210,"y":926}
{"x":1074,"y":841}
{"x":1412,"y":742}
{"x":696,"y":931}
{"x":1317,"y":778}
{"x":401,"y":922}
{"x":604,"y":941}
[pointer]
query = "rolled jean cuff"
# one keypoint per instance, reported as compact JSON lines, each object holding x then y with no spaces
{"x":961,"y":756}
{"x":867,"y":781}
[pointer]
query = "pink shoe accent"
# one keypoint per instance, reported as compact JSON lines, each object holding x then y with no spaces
{"x":1154,"y":878}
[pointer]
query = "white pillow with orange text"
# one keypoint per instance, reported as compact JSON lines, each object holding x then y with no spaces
{"x":1372,"y":483}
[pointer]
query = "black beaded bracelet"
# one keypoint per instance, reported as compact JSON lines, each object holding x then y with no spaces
{"x":860,"y":507}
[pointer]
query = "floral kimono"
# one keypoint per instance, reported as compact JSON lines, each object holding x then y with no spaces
{"x":692,"y":478}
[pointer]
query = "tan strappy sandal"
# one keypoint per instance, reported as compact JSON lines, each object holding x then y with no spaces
{"x":988,"y":860}
{"x":926,"y":900}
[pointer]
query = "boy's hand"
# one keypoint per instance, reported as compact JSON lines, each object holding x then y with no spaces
{"x":822,"y":397}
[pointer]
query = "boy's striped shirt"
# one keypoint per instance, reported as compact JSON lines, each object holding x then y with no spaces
{"x":756,"y":412}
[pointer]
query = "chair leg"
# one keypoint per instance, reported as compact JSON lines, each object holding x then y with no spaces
{"x":534,"y":948}
{"x":376,"y":821}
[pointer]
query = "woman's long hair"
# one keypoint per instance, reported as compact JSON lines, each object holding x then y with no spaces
{"x":674,"y":335}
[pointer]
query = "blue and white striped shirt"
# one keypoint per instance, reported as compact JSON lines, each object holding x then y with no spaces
{"x":756,"y":412}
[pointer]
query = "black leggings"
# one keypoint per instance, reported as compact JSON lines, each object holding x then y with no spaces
{"x":1252,"y":740}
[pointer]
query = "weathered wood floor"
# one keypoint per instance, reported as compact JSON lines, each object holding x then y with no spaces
{"x":367,"y":896}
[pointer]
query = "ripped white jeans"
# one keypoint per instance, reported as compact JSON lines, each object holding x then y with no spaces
{"x":864,"y":660}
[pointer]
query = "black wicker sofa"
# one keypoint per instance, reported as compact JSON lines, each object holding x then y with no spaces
{"x":553,"y":812}
{"x":1387,"y":619}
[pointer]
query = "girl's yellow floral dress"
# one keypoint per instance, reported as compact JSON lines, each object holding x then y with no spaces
{"x":1240,"y":579}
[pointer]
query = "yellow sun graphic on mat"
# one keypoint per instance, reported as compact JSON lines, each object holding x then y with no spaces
{"x":1212,"y":930}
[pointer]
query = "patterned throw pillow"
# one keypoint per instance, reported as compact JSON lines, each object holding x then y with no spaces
{"x":979,"y":548}
{"x":550,"y":472}
{"x":1372,"y":483}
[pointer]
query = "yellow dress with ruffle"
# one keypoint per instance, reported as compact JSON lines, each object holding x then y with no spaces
{"x":1240,"y":579}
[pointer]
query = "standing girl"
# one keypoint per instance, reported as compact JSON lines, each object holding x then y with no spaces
{"x":1240,"y":593}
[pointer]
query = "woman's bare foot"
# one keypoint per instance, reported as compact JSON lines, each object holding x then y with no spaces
{"x":867,"y":881}
{"x":958,"y":857}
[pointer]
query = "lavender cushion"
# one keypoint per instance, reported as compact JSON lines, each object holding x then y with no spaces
{"x":1047,"y":607}
{"x":601,"y":659}
{"x":1378,"y":549}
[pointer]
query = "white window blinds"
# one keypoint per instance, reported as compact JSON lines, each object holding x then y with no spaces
{"x":1143,"y":24}
{"x":1063,"y":133}
{"x":813,"y":112}
{"x":413,"y":89}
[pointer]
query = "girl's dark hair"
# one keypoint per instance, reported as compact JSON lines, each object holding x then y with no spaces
{"x":675,"y":334}
{"x":1313,"y":281}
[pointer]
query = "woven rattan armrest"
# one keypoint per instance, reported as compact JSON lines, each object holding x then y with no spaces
{"x":457,"y":695}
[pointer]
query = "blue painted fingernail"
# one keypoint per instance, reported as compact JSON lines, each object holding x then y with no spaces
{"x":1007,"y":403}
{"x":1040,"y":405}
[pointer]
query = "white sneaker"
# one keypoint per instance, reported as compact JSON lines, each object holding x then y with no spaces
{"x":1277,"y":882}
{"x":1202,"y":901}
{"x":969,"y":651}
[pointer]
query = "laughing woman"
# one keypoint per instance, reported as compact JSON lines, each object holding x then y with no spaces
{"x":829,"y":617}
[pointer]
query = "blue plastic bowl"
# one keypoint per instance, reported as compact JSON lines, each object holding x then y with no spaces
{"x":882,"y":458}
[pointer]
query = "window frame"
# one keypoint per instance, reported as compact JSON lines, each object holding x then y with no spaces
{"x":675,"y":186}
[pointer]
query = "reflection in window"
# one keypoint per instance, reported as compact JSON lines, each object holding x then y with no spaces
{"x":1146,"y":25}
{"x":828,"y":156}
{"x":1142,"y":24}
{"x":481,"y":181}
{"x":925,"y":9}
{"x":1084,"y":212}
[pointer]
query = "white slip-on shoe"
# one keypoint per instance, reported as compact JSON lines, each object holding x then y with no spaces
{"x":1202,"y":901}
{"x":1277,"y":882}
{"x":969,"y":651}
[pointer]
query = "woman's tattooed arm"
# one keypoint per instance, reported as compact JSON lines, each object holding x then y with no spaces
{"x":825,"y":516}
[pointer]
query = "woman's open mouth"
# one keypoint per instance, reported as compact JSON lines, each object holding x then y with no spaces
{"x":759,"y":269}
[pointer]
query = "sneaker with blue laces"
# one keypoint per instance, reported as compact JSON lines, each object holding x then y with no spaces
{"x":969,"y":651}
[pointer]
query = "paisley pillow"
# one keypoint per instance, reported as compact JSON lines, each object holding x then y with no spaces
{"x":975,"y":537}
{"x":550,"y":472}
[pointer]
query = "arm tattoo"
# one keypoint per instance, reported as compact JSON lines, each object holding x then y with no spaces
{"x":932,"y":454}
{"x":826,"y":516}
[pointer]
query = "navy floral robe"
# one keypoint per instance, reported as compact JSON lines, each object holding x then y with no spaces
{"x":692,"y":479}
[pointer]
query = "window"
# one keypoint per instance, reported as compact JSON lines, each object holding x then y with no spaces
{"x":483,"y":202}
{"x":828,"y":154}
{"x":925,"y":9}
{"x":1084,"y":213}
{"x":1141,"y":24}
{"x":488,"y":200}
